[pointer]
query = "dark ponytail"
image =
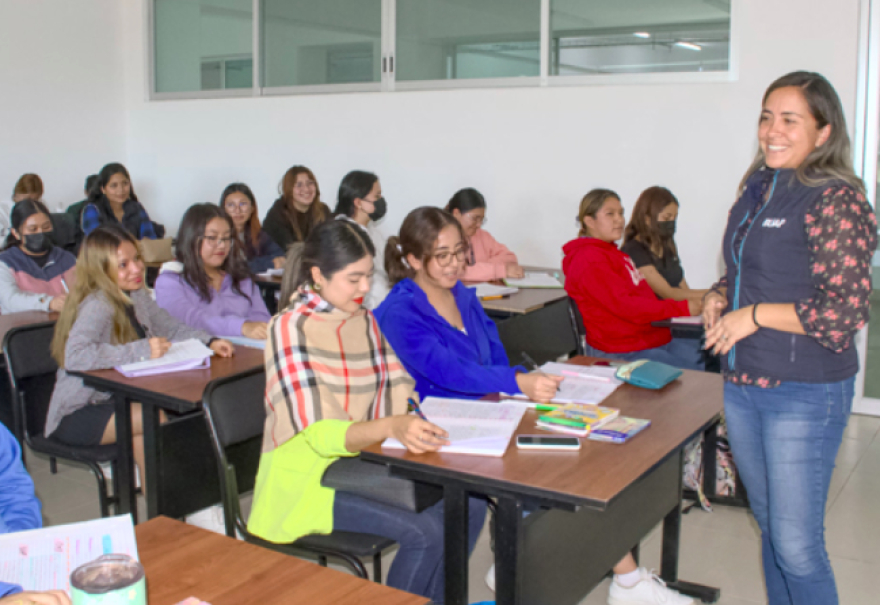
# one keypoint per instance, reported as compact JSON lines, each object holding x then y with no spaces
{"x":331,"y":246}
{"x":418,"y":235}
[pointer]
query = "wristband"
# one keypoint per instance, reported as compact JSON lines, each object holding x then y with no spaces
{"x":755,"y":315}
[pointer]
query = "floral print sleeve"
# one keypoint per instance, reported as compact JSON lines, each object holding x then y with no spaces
{"x":841,"y":233}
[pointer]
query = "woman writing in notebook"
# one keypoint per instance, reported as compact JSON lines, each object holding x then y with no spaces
{"x":437,"y":325}
{"x":261,"y":251}
{"x":213,"y":290}
{"x":615,"y":300}
{"x":109,"y":319}
{"x":649,"y":240}
{"x":798,"y":249}
{"x":333,"y":387}
{"x":487,"y":258}
{"x":34,"y":274}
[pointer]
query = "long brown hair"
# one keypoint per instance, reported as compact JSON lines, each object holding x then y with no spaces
{"x":253,"y":225}
{"x":643,"y":222}
{"x":590,"y":206}
{"x":830,"y":160}
{"x":418,"y":234}
{"x":96,"y":275}
{"x":314,"y":215}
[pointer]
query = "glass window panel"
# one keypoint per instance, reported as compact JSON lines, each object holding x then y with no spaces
{"x":638,"y":36}
{"x":460,"y":39}
{"x":308,"y":42}
{"x":194,"y":38}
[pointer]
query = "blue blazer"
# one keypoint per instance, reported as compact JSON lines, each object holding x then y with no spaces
{"x":444,"y":361}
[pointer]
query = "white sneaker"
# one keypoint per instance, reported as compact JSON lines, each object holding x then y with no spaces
{"x":490,"y":578}
{"x":650,"y":590}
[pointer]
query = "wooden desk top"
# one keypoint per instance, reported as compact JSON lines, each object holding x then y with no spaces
{"x":180,"y":391}
{"x":597,"y":473}
{"x":25,"y":318}
{"x":183,"y":561}
{"x":525,"y":301}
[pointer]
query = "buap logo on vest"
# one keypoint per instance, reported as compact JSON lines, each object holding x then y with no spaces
{"x":773,"y":223}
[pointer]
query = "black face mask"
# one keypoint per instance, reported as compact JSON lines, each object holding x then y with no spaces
{"x":380,"y":208}
{"x":666,"y":228}
{"x":38,"y":243}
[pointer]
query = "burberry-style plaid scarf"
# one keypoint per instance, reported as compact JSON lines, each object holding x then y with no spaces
{"x":324,"y":363}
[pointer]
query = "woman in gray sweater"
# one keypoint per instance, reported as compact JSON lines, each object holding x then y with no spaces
{"x":109,"y":319}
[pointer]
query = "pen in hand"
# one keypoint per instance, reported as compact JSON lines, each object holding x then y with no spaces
{"x":414,"y":406}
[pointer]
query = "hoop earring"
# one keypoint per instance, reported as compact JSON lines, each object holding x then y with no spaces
{"x":316,"y":287}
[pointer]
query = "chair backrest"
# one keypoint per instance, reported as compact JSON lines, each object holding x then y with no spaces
{"x":577,"y":325}
{"x":64,"y":228}
{"x":31,"y":374}
{"x":236,"y":416}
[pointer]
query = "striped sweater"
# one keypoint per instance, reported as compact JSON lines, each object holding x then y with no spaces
{"x":26,"y":286}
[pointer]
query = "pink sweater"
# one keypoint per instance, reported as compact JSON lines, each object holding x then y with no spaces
{"x":491,"y":258}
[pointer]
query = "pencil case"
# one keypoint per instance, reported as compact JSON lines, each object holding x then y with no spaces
{"x":648,"y":374}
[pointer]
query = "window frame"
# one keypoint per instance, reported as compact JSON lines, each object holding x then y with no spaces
{"x":389,"y":83}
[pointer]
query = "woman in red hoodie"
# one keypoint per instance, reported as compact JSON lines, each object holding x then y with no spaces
{"x":616,"y":302}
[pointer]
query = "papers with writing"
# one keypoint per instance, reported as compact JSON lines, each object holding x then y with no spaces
{"x":475,"y":427}
{"x":187,"y":355}
{"x":534,"y":280}
{"x":42,"y":559}
{"x":581,"y":384}
{"x":485,"y":289}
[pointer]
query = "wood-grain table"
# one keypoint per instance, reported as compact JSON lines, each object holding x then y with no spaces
{"x":584,"y":510}
{"x":179,"y":392}
{"x":183,"y":561}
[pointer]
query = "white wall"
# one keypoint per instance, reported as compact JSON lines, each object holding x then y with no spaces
{"x":532,"y":152}
{"x":61,"y":93}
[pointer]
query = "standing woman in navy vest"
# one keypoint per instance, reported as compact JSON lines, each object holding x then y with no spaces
{"x":798,"y":249}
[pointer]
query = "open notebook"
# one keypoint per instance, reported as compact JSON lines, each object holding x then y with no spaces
{"x":187,"y":355}
{"x":475,"y":427}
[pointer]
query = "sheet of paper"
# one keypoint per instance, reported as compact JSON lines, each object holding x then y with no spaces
{"x":694,"y":320}
{"x":43,"y":559}
{"x":273,"y":272}
{"x":485,"y":289}
{"x":581,"y":384}
{"x":534,"y":280}
{"x":475,"y":427}
{"x":187,"y":350}
{"x":246,"y":342}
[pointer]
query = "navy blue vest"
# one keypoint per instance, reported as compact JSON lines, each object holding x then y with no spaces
{"x":771,"y":263}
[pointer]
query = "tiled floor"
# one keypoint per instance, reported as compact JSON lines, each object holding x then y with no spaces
{"x":719,"y":548}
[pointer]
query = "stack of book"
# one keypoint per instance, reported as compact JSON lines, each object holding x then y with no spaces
{"x":576,"y":419}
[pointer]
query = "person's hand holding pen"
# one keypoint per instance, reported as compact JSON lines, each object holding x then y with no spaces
{"x":537,"y":385}
{"x":417,"y":433}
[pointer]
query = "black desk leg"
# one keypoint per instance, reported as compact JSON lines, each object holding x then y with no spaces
{"x":455,"y":543}
{"x":125,"y":459}
{"x":669,"y":555}
{"x":508,"y":544}
{"x":152,"y":458}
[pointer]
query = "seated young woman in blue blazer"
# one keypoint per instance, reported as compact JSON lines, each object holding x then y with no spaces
{"x":212,"y":289}
{"x":436,"y":325}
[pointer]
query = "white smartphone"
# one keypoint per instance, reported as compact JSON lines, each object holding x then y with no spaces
{"x":547,"y":442}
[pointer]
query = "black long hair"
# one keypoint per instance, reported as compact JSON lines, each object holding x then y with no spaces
{"x":189,"y":246}
{"x":107,"y":172}
{"x":357,"y":184}
{"x":466,"y":200}
{"x":21,"y":212}
{"x":252,"y":230}
{"x":331,"y":246}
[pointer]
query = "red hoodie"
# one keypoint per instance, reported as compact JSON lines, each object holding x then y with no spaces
{"x":616,"y":302}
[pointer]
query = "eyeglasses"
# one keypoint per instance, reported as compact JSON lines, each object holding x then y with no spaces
{"x":214,"y":240}
{"x":242,"y":206}
{"x":305,"y":185}
{"x":444,"y":259}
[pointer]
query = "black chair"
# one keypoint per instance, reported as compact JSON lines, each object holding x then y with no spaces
{"x":64,"y":231}
{"x":577,"y":326}
{"x":235,"y":416}
{"x":32,"y":376}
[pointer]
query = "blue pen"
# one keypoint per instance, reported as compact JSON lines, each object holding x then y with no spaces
{"x":415,"y":407}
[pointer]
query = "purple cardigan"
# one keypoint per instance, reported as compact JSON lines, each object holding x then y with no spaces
{"x":224,"y":315}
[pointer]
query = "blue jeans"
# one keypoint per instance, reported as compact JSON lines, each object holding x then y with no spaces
{"x":683,"y":353}
{"x":418,"y":566}
{"x":784,"y":443}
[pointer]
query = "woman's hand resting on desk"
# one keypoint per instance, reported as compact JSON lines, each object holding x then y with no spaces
{"x":158,"y":347}
{"x":514,"y":271}
{"x":540,"y":388}
{"x":418,"y":435}
{"x":221,"y":347}
{"x":254,"y":329}
{"x":51,"y":597}
{"x":57,"y":303}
